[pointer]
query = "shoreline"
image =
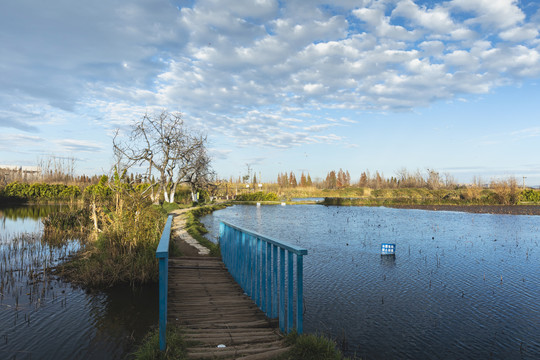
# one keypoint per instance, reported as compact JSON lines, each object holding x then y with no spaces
{"x":477,"y":209}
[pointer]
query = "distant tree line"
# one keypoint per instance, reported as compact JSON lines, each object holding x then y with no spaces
{"x":289,"y":181}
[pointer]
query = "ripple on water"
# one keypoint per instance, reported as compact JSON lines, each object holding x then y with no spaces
{"x":442,"y":294}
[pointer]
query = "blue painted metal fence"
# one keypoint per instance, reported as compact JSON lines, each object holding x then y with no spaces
{"x":253,"y":261}
{"x":162,"y":253}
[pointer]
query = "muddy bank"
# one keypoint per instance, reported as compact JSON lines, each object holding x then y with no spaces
{"x":480,"y":209}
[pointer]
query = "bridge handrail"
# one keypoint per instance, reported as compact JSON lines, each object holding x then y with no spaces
{"x":252,"y":259}
{"x":162,"y":253}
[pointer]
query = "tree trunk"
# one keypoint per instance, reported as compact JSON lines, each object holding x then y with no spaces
{"x":166,"y":195}
{"x":173,"y":191}
{"x":94,"y":216}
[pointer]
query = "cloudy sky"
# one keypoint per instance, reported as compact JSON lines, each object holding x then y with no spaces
{"x":280,"y":85}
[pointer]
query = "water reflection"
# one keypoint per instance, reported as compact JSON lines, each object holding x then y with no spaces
{"x":388,"y":260}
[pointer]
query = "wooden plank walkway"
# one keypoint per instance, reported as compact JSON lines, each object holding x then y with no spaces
{"x":213,"y":310}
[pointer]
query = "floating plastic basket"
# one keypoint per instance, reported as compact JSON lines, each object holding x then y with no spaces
{"x":388,"y":249}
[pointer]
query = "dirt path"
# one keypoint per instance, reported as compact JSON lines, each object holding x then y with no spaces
{"x":188,"y":245}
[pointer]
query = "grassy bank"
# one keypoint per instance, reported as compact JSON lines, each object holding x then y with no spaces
{"x":302,"y":347}
{"x":123,"y":252}
{"x":423,"y":196}
{"x":176,"y":346}
{"x":311,"y":346}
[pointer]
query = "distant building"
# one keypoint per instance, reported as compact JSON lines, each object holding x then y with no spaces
{"x":10,"y":173}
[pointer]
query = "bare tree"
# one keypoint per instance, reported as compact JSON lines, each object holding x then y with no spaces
{"x":195,"y":170}
{"x":433,"y":180}
{"x":57,"y":168}
{"x":163,"y":143}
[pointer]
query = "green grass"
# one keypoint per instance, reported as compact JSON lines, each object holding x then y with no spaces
{"x":176,"y":346}
{"x":311,"y":347}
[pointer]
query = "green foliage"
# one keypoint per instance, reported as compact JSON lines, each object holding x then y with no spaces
{"x":530,"y":195}
{"x":39,"y":191}
{"x":168,"y":207}
{"x":312,"y":347}
{"x":99,"y":190}
{"x":258,"y":196}
{"x":176,"y":346}
{"x":183,"y":196}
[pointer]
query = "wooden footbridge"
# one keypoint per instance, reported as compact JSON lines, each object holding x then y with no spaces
{"x":235,"y":308}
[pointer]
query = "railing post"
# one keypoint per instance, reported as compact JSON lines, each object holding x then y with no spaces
{"x":249,"y":253}
{"x":264,"y":303}
{"x":244,"y":262}
{"x":253,"y":241}
{"x":162,"y":253}
{"x":299,"y":293}
{"x":275,"y":281}
{"x":258,"y":274}
{"x":268,"y":279}
{"x":163,"y":284}
{"x":290,"y":297}
{"x":282,"y":290}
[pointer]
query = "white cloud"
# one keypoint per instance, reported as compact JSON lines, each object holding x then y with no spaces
{"x":436,"y":20}
{"x":71,"y":145}
{"x":520,"y":33}
{"x":491,"y":13}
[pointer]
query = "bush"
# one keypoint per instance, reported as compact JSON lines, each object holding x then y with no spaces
{"x":505,"y":192}
{"x":257,"y":196}
{"x":530,"y":195}
{"x":40,"y":191}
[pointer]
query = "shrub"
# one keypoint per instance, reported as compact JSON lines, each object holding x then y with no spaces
{"x":530,"y":195}
{"x":40,"y":191}
{"x":505,"y":192}
{"x":258,"y":196}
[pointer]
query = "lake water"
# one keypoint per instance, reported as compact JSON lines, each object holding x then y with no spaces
{"x":461,"y":285}
{"x":42,"y":317}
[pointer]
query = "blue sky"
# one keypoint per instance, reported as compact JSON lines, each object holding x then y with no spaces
{"x":280,"y":85}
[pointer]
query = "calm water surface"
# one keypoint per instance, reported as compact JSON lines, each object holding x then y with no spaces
{"x":42,"y":317}
{"x":461,"y":286}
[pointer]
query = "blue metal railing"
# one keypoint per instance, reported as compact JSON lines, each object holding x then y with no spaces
{"x":162,"y":253}
{"x":253,"y":261}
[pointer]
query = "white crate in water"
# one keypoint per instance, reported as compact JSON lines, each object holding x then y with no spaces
{"x":388,"y":249}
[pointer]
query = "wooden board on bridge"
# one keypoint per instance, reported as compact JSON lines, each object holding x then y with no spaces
{"x":213,"y":310}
